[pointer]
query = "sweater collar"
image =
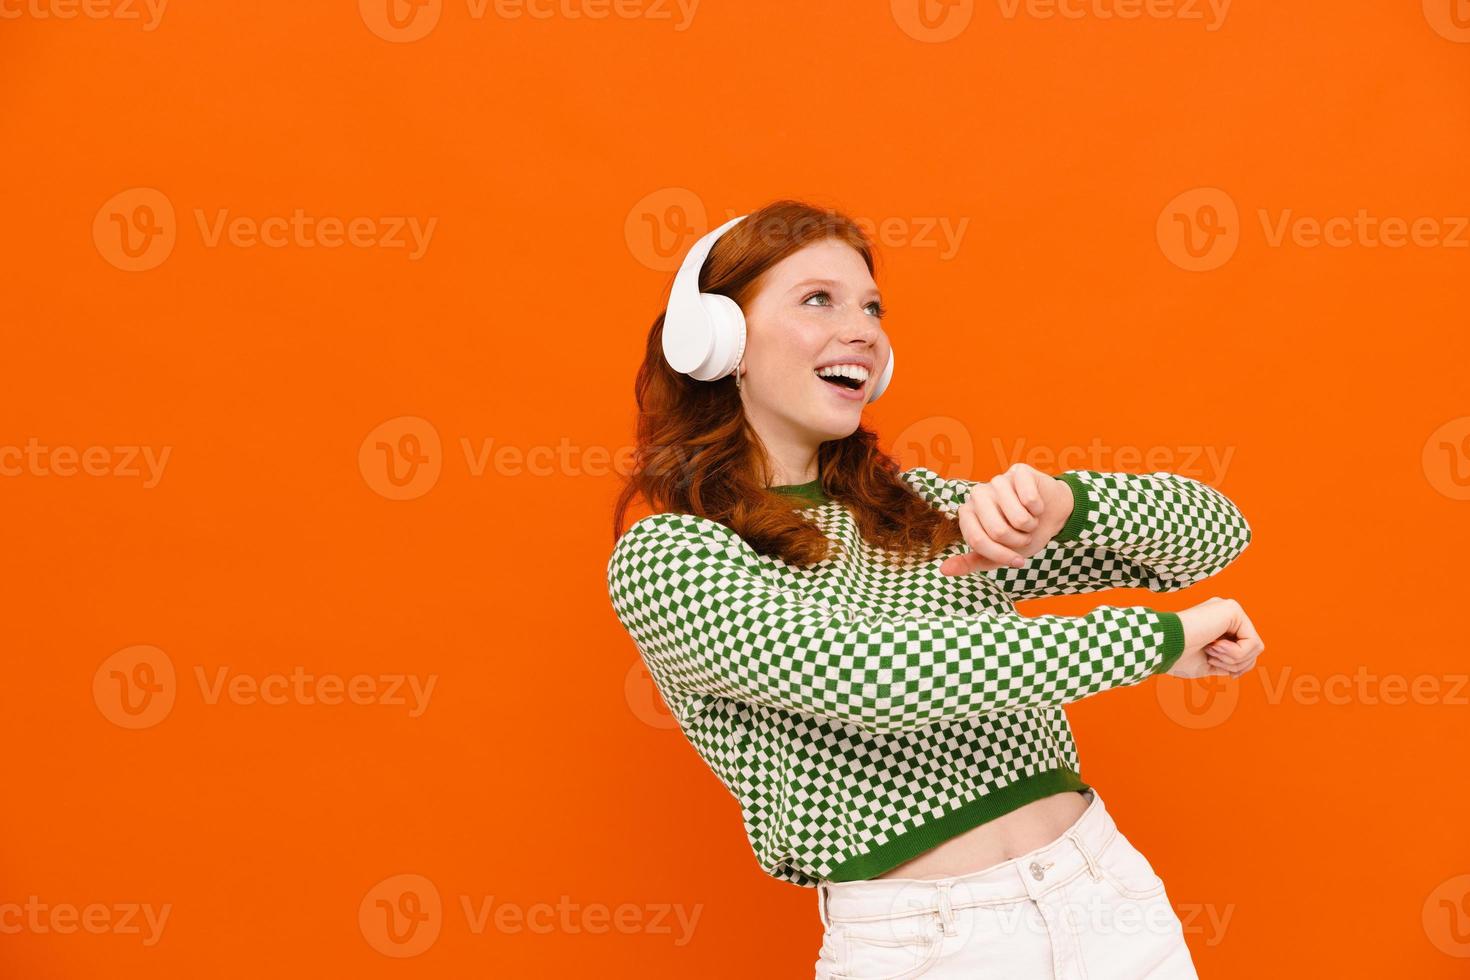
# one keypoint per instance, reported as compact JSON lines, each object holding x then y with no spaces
{"x":810,"y":491}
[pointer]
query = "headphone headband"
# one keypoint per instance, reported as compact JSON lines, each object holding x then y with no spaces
{"x":688,"y":332}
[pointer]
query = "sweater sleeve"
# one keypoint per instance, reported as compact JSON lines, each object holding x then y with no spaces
{"x":707,"y":620}
{"x":1158,"y":531}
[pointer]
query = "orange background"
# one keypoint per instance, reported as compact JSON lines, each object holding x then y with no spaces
{"x":565,"y":161}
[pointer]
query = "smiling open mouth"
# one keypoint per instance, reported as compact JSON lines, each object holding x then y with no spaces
{"x":847,"y":376}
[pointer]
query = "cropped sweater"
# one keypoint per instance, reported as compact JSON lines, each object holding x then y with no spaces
{"x":865,"y":708}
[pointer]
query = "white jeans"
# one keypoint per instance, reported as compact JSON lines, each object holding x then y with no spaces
{"x":1087,"y":906}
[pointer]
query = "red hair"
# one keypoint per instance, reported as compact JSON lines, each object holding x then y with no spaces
{"x":696,"y":452}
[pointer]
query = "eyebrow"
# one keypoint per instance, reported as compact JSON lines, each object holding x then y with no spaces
{"x":828,"y":282}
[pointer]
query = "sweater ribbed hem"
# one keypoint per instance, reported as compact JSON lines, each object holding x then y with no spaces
{"x":1081,"y":504}
{"x":1173,"y":628}
{"x":922,"y":838}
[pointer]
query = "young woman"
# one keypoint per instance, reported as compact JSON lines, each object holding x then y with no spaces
{"x":839,"y":640}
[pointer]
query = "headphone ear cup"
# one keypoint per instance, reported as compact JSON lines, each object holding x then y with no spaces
{"x":727,"y":324}
{"x":883,"y":379}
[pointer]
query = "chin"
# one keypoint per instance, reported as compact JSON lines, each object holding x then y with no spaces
{"x":837,"y":425}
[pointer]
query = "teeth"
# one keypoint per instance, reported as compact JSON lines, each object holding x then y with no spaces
{"x":855,"y":371}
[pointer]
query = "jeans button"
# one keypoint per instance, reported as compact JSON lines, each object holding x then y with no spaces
{"x":1038,"y":870}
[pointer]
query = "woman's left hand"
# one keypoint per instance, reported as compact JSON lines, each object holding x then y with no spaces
{"x":1010,"y":519}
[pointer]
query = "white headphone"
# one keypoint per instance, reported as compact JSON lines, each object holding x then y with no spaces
{"x":704,"y":333}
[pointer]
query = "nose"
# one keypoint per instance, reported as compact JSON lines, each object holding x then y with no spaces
{"x":861,"y":327}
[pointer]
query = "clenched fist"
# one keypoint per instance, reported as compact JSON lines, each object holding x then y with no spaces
{"x":1219,"y":640}
{"x":1010,"y":519}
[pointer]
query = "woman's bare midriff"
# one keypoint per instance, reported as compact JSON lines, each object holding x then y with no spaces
{"x":1010,"y":835}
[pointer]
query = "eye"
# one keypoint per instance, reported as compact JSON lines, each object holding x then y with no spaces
{"x":875,"y":308}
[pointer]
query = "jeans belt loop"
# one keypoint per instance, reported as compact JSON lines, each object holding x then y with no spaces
{"x":946,"y":910}
{"x":822,"y":895}
{"x":1086,"y":856}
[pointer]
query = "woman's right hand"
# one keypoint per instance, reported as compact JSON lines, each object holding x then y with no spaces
{"x":1219,"y":641}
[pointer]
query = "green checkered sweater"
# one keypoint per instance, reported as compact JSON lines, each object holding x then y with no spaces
{"x":866,"y":708}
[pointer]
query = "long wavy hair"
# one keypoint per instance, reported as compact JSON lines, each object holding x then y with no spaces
{"x":697,"y":453}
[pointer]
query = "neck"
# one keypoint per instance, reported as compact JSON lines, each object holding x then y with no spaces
{"x":790,"y":473}
{"x":790,"y":453}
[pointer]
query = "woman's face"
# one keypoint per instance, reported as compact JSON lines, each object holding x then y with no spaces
{"x":818,"y":306}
